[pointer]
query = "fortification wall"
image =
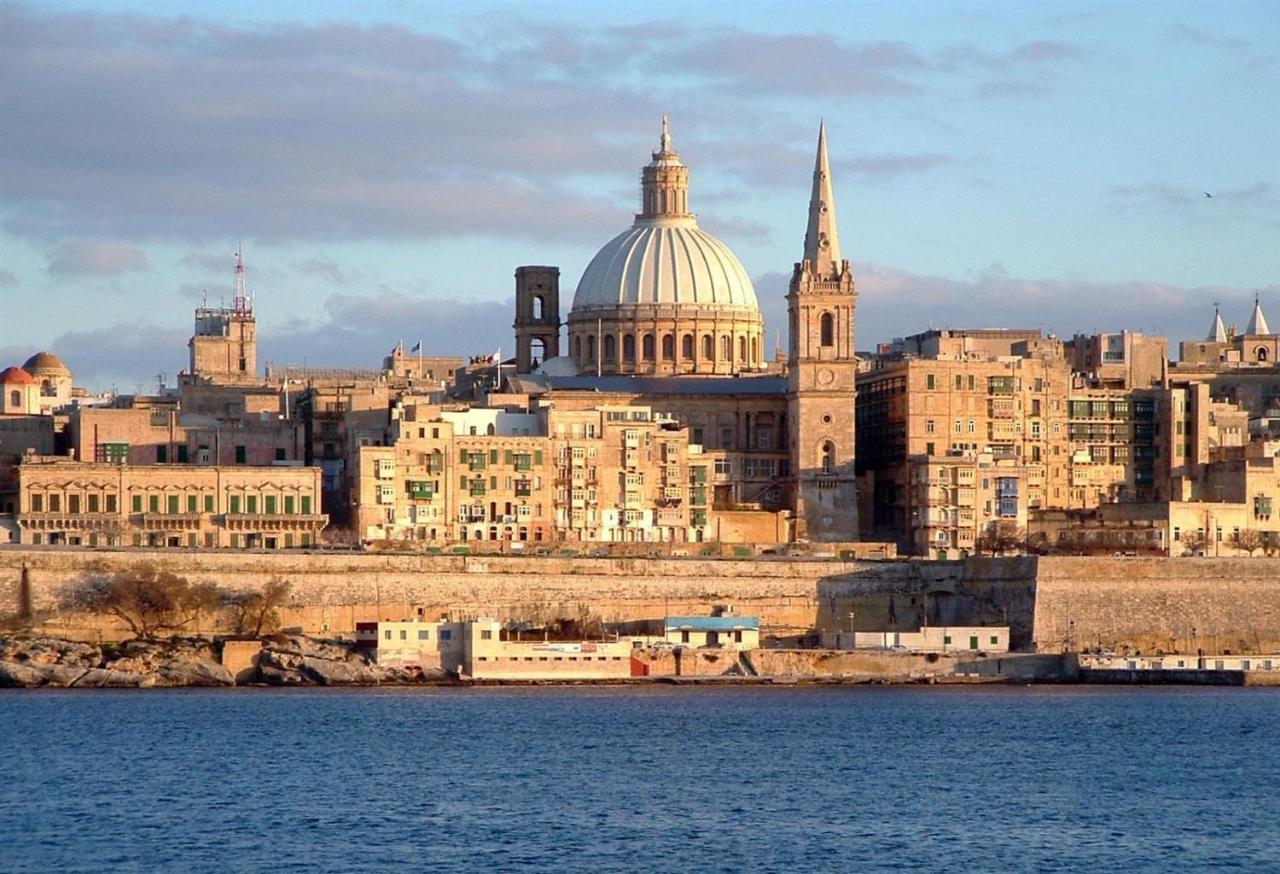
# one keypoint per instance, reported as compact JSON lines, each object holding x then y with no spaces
{"x":332,"y":591}
{"x":1169,"y":604}
{"x":1051,"y":604}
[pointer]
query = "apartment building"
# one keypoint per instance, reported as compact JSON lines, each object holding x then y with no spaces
{"x":61,"y":501}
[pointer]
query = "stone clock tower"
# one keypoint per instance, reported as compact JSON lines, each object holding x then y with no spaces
{"x":822,"y":373}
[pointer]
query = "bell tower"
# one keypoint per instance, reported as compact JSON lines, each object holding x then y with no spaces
{"x":537,"y":322}
{"x":822,"y":373}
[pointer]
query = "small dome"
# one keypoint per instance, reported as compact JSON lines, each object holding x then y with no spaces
{"x":666,"y":260}
{"x":561,"y":365}
{"x":16,"y":376}
{"x":46,"y":364}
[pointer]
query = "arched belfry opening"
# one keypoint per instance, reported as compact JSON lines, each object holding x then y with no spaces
{"x":537,"y":323}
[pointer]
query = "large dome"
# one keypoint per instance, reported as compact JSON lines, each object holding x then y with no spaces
{"x":46,"y":364}
{"x":664,"y":296}
{"x":665,"y":261}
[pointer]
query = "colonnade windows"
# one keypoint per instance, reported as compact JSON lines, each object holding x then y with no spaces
{"x":653,"y":347}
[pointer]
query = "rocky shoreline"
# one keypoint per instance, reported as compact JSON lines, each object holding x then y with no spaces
{"x":284,"y":660}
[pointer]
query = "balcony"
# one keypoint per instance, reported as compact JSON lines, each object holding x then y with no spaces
{"x":68,"y":521}
{"x":171,"y":521}
{"x":275,"y":521}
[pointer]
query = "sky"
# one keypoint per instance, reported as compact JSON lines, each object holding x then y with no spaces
{"x":387,"y":166}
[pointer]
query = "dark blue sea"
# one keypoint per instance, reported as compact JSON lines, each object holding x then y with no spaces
{"x":655,"y":779}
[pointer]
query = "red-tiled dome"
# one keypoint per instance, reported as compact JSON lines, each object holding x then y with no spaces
{"x":16,"y":376}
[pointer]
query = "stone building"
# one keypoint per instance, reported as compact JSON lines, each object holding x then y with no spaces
{"x":61,"y":501}
{"x":39,"y":387}
{"x":224,"y":345}
{"x":955,"y":500}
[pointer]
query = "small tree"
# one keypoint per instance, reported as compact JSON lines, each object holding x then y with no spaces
{"x":147,"y":599}
{"x":1249,"y":540}
{"x":256,"y":612}
{"x":1001,"y":537}
{"x":1194,"y":541}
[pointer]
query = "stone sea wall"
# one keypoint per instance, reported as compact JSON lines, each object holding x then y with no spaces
{"x":1050,"y":604}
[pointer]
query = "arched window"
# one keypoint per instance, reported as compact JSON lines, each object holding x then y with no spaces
{"x":1262,"y":353}
{"x":686,"y":347}
{"x":577,"y":348}
{"x":828,"y":458}
{"x":828,"y":330}
{"x":537,"y":351}
{"x":708,"y":347}
{"x":15,"y":398}
{"x":610,"y":348}
{"x":742,"y":350}
{"x":726,"y":348}
{"x":490,"y":430}
{"x":591,"y":348}
{"x":539,"y":307}
{"x":629,"y":347}
{"x":755,"y":350}
{"x":646,"y":347}
{"x":668,"y":347}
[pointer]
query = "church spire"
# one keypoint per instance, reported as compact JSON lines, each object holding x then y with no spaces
{"x":1258,"y":322}
{"x":1218,"y":333}
{"x":821,"y":238}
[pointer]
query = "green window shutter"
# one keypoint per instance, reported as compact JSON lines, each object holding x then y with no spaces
{"x":462,"y":456}
{"x":208,"y":503}
{"x":235,"y":503}
{"x":271,"y":504}
{"x":537,"y":456}
{"x":191,"y":503}
{"x":306,"y":505}
{"x":172,"y":504}
{"x":462,"y":481}
{"x":153,"y":503}
{"x":137,"y":503}
{"x":288,"y":505}
{"x":493,"y":482}
{"x":507,"y":459}
{"x":251,"y":503}
{"x":493,"y":456}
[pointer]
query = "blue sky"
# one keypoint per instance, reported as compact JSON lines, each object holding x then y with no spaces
{"x":389,"y":165}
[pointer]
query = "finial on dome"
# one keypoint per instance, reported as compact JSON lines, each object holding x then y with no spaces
{"x":666,"y":134}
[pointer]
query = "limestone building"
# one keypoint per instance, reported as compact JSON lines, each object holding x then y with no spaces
{"x":224,"y":346}
{"x":61,"y":501}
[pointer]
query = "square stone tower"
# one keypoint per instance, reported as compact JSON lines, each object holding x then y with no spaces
{"x":537,"y":324}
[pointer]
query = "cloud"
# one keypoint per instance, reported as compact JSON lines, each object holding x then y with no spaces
{"x":1200,"y":37}
{"x":1259,"y":202}
{"x":893,"y":302}
{"x":330,"y":271}
{"x":127,"y":354}
{"x":90,"y":258}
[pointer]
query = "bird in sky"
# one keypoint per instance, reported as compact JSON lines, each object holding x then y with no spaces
{"x":1208,"y":195}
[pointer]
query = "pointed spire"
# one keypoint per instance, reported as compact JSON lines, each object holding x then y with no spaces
{"x":665,"y":142}
{"x":821,"y":239}
{"x":1218,"y":333}
{"x":664,"y":182}
{"x":1257,"y":322}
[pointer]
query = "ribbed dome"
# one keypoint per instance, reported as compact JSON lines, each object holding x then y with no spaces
{"x":46,"y":364}
{"x":665,"y":260}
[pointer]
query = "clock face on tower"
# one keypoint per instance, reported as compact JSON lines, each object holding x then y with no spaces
{"x":825,"y":376}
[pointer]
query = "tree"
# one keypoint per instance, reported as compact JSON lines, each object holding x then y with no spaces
{"x":147,"y":599}
{"x":256,"y":612}
{"x":1001,"y":537}
{"x":1194,"y":542}
{"x":1249,"y":540}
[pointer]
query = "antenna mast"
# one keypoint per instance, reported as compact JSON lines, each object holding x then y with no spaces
{"x":240,"y":303}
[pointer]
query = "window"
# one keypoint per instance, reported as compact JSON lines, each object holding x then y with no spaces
{"x":153,"y":503}
{"x":610,"y":347}
{"x":668,"y":347}
{"x":162,"y":454}
{"x":306,"y":505}
{"x":387,"y":634}
{"x":404,"y":635}
{"x":646,"y":347}
{"x":251,"y":503}
{"x":742,"y":350}
{"x":137,"y":503}
{"x":686,"y":346}
{"x":827,"y":330}
{"x":37,"y":504}
{"x":629,"y":348}
{"x":241,"y":455}
{"x":446,"y":634}
{"x":288,"y":504}
{"x":93,"y":504}
{"x":270,"y":501}
{"x":828,"y":458}
{"x":15,"y":398}
{"x":424,"y":634}
{"x":928,"y":426}
{"x":708,"y":347}
{"x":726,"y":349}
{"x":486,"y":634}
{"x":192,"y":503}
{"x":930,"y":383}
{"x":235,"y":503}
